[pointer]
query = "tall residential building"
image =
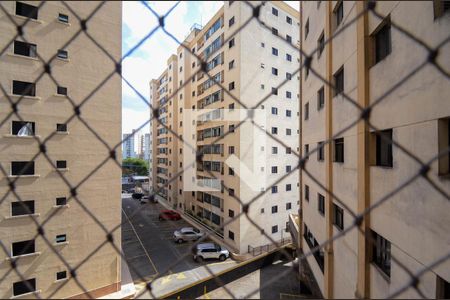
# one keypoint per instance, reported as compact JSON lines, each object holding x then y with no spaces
{"x":45,"y":109}
{"x":128,"y":145}
{"x":250,"y":65}
{"x":146,"y":146}
{"x":366,"y":61}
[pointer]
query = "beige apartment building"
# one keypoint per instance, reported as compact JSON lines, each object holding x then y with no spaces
{"x":365,"y":61}
{"x":45,"y":110}
{"x":248,"y":64}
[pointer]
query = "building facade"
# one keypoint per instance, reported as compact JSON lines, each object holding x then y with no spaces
{"x":44,"y":111}
{"x":364,"y":60}
{"x":128,"y":145}
{"x":247,"y":64}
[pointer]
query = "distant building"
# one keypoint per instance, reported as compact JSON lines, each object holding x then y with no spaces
{"x":128,"y":146}
{"x":146,"y":146}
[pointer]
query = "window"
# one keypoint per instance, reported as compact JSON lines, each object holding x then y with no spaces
{"x":24,"y":128}
{"x":288,"y":206}
{"x":320,"y":98}
{"x":288,"y":95}
{"x":288,"y":113}
{"x":320,"y":45}
{"x":262,"y":210}
{"x":384,"y":148}
{"x":288,"y":76}
{"x":230,"y":171}
{"x":61,"y":238}
{"x":231,"y":106}
{"x":288,"y":169}
{"x":61,"y":127}
{"x":275,"y":51}
{"x":274,"y":91}
{"x":306,"y":111}
{"x":306,"y":154}
{"x":306,"y":28}
{"x":60,"y":201}
{"x":274,"y":31}
{"x":288,"y":38}
{"x":288,"y":131}
{"x":24,"y":88}
{"x":22,"y":248}
{"x":339,"y":13}
{"x":63,"y":54}
{"x":231,"y":235}
{"x":288,"y":20}
{"x":275,"y":71}
{"x":339,"y":150}
{"x":442,"y":288}
{"x":231,"y":192}
{"x":288,"y":150}
{"x":26,"y":286}
{"x":22,"y":208}
{"x":231,"y":43}
{"x":288,"y":187}
{"x":274,"y":169}
{"x":321,"y":204}
{"x":274,"y":11}
{"x":181,"y":69}
{"x":231,"y":86}
{"x":231,"y":128}
{"x":275,"y":229}
{"x":274,"y":150}
{"x":25,"y":49}
{"x":288,"y":57}
{"x":61,"y":90}
{"x":274,"y":189}
{"x":231,"y":65}
{"x":440,"y":8}
{"x":274,"y":130}
{"x":443,"y":145}
{"x":307,"y":193}
{"x":22,"y":168}
{"x":61,"y":164}
{"x":230,"y":149}
{"x":274,"y":209}
{"x":63,"y":18}
{"x":381,"y":41}
{"x":26,"y":10}
{"x":381,"y":253}
{"x":231,"y":22}
{"x":338,"y":217}
{"x":320,"y":151}
{"x":274,"y":111}
{"x":262,"y":45}
{"x":339,"y":81}
{"x":61,"y":275}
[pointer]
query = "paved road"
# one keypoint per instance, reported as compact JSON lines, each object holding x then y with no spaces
{"x":150,"y":250}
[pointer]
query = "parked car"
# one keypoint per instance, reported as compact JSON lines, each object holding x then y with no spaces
{"x":169,"y":215}
{"x":137,"y":196}
{"x":210,"y":250}
{"x":187,"y":234}
{"x":144,"y":199}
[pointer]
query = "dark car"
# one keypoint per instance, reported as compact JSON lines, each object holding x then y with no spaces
{"x":137,"y":196}
{"x":169,"y":215}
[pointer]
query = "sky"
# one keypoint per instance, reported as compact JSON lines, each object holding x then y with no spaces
{"x":149,"y":60}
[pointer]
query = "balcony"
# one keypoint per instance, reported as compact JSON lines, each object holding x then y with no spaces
{"x":294,"y":228}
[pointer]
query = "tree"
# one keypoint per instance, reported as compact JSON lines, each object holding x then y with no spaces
{"x":134,"y":166}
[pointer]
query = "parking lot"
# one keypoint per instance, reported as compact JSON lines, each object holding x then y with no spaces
{"x":149,"y":248}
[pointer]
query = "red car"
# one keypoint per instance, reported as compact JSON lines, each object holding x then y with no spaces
{"x":169,"y":215}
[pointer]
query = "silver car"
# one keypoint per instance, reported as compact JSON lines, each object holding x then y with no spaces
{"x":210,"y":250}
{"x":187,"y":234}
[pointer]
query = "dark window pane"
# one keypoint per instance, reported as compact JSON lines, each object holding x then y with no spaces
{"x":61,"y":127}
{"x":384,"y":148}
{"x":25,"y":49}
{"x":61,"y":201}
{"x":61,"y":238}
{"x":63,"y":54}
{"x":382,"y":41}
{"x":63,"y":18}
{"x":23,"y":287}
{"x":61,"y":164}
{"x":61,"y":275}
{"x":24,"y":128}
{"x":26,"y":10}
{"x":339,"y":81}
{"x":22,"y":208}
{"x":21,"y":248}
{"x":61,"y":90}
{"x":22,"y":168}
{"x":339,"y":150}
{"x":381,"y":253}
{"x":24,"y":88}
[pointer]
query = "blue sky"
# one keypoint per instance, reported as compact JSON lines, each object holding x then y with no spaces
{"x":149,"y":60}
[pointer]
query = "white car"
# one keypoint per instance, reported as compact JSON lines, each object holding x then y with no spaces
{"x":187,"y":234}
{"x":210,"y":250}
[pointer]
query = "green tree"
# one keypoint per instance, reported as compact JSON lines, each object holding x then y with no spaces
{"x":134,"y":166}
